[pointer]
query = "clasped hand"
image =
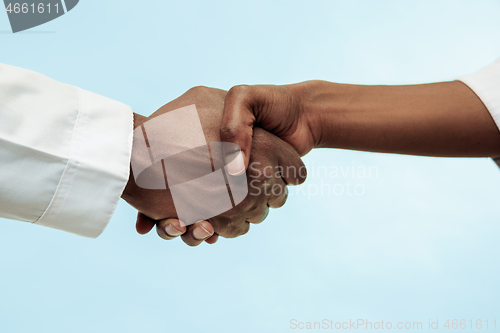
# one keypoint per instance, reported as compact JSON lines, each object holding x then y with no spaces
{"x":274,"y":165}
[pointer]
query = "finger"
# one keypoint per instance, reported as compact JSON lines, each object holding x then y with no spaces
{"x":278,"y":195}
{"x":213,"y":239}
{"x":144,"y":224}
{"x":239,"y":228}
{"x":170,"y":228}
{"x":259,"y":216}
{"x":231,"y":225}
{"x":198,"y":233}
{"x":237,"y":127}
{"x":293,"y":170}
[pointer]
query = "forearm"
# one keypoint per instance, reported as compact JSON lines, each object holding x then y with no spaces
{"x":439,"y":119}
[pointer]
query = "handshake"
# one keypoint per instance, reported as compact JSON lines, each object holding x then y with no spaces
{"x":211,"y":162}
{"x":216,"y":146}
{"x":192,"y":168}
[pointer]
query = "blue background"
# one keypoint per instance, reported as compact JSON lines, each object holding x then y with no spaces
{"x":421,"y":242}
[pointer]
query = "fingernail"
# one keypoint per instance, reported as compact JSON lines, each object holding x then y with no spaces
{"x":172,"y":231}
{"x":200,"y":233}
{"x":236,"y":166}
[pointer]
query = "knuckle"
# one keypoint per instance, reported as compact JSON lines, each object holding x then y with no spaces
{"x":231,"y":228}
{"x":246,"y":229}
{"x":256,"y":209}
{"x":199,"y":90}
{"x":229,"y":132}
{"x":295,"y":175}
{"x":238,"y":91}
{"x":280,"y":202}
{"x":260,"y":216}
{"x":302,"y":173}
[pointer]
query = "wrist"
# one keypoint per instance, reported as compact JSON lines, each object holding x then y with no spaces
{"x":131,"y":186}
{"x":326,"y":107}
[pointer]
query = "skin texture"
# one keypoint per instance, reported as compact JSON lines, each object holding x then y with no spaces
{"x":156,"y":206}
{"x":441,"y":119}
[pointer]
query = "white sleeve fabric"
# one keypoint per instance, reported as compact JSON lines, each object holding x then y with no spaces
{"x":486,"y":84}
{"x":64,"y":153}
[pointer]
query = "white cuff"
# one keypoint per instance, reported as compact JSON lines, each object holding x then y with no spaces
{"x":486,"y":84}
{"x":98,"y":167}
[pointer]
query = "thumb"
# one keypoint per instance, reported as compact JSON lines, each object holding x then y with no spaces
{"x":237,"y":127}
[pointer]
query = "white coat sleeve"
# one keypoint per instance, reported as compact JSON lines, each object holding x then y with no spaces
{"x":64,"y":153}
{"x":486,"y":84}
